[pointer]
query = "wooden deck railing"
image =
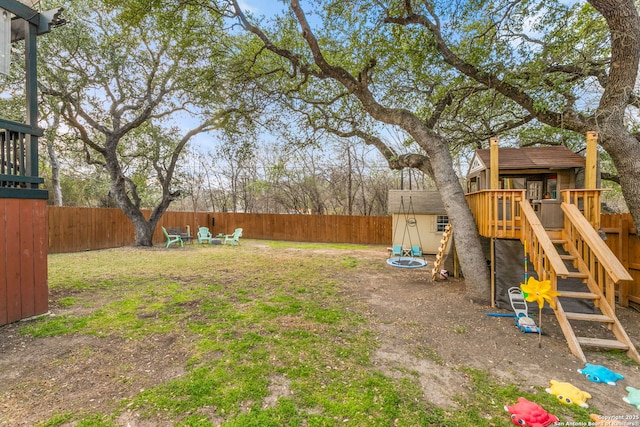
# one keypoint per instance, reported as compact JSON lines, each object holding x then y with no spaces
{"x":587,"y":201}
{"x":497,"y":212}
{"x":19,"y":161}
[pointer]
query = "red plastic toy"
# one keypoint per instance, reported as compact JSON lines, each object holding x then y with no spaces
{"x":526,"y":413}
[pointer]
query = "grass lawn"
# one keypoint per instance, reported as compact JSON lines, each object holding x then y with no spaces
{"x":264,"y":334}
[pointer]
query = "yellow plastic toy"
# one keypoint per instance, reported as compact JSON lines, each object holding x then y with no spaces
{"x":569,"y":394}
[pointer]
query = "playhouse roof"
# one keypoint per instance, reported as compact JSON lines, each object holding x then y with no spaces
{"x":559,"y":157}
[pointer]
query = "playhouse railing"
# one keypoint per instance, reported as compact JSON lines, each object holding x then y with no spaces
{"x":587,"y":201}
{"x":497,"y":212}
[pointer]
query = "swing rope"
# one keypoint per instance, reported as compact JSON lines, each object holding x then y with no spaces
{"x":406,"y":221}
{"x":413,"y":223}
{"x":410,"y":261}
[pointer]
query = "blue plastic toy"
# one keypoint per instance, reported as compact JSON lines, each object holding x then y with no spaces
{"x":600,"y":374}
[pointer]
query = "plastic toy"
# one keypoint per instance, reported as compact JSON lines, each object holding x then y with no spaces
{"x":633,"y":398}
{"x":526,"y":413}
{"x":600,"y":374}
{"x":524,"y":322}
{"x":569,"y":394}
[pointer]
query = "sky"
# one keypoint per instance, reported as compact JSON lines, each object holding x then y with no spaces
{"x":261,"y":7}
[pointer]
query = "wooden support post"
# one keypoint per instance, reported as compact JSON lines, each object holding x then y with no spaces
{"x":493,"y":274}
{"x":591,"y":167}
{"x":494,"y":182}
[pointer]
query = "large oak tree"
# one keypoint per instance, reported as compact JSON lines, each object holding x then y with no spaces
{"x":336,"y":73}
{"x":134,"y":95}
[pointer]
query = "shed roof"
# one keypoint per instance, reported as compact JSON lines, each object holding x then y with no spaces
{"x":416,"y":201}
{"x":559,"y":157}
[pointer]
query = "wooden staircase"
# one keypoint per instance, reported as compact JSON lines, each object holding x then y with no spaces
{"x":440,"y":256}
{"x":583,"y":257}
{"x":606,"y":330}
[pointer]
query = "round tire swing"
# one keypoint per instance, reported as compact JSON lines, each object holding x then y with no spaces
{"x":399,"y":258}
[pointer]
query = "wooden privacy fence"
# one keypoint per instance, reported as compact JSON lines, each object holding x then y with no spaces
{"x":81,"y":229}
{"x":74,"y":229}
{"x":308,"y":228}
{"x":622,"y":239}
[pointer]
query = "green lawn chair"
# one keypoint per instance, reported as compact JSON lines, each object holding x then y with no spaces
{"x":233,"y":239}
{"x":204,"y":235}
{"x":172,"y":238}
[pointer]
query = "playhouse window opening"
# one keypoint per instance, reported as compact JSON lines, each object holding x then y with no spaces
{"x":441,"y":223}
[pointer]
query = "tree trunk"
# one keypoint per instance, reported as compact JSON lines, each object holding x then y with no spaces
{"x":143,"y":228}
{"x":56,"y":187}
{"x":624,"y":150}
{"x":465,"y":232}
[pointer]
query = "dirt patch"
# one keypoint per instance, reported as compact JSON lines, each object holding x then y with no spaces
{"x":427,"y":330}
{"x":433,"y":328}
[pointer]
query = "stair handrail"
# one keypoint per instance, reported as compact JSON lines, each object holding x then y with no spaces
{"x":543,"y":254}
{"x":594,"y":254}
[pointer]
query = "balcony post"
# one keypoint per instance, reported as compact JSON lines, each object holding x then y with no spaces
{"x":590,"y":170}
{"x":494,"y":183}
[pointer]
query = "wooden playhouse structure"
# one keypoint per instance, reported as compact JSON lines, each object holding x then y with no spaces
{"x":548,"y":199}
{"x":23,"y":210}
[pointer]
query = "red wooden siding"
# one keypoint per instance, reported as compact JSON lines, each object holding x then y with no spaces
{"x":23,"y":258}
{"x":4,"y":237}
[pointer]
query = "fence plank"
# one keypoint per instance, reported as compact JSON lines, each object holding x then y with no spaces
{"x":27,"y":262}
{"x":41,"y":292}
{"x":12,"y":224}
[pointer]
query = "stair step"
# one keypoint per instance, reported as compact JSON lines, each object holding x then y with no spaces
{"x":558,"y":242}
{"x":598,"y":342}
{"x":568,"y":257}
{"x":579,"y":295}
{"x":578,"y":275}
{"x":589,"y":317}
